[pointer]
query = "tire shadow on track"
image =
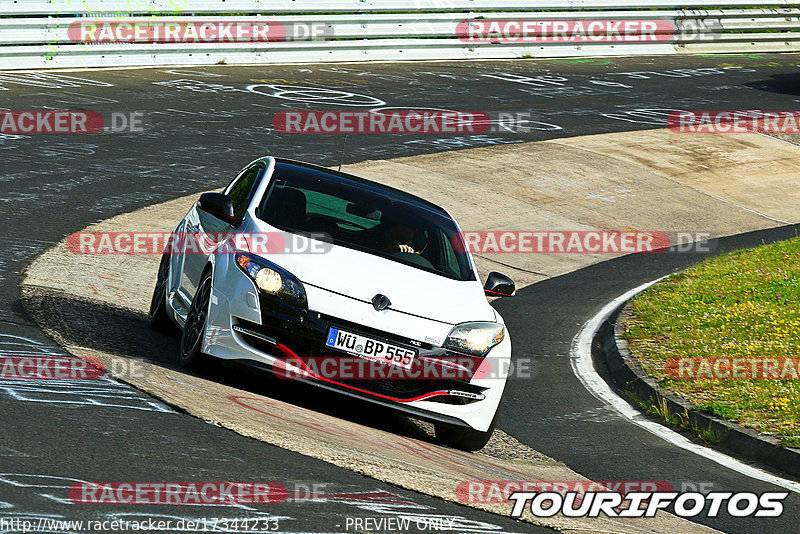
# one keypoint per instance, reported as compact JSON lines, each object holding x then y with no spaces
{"x":785,"y":84}
{"x":101,"y":327}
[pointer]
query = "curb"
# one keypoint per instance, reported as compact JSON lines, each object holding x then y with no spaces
{"x":629,"y":376}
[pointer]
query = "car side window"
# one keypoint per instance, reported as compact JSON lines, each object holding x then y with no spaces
{"x":241,"y":190}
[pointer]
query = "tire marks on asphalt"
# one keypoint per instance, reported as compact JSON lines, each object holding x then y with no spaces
{"x":102,"y":391}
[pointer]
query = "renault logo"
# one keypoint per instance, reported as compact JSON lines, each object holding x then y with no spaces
{"x":380,"y":302}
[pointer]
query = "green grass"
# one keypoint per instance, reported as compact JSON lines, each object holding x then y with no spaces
{"x":744,"y":304}
{"x":660,"y":410}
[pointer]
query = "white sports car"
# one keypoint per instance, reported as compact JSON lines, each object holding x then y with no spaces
{"x":349,"y":284}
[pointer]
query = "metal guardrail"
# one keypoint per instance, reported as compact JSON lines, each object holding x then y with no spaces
{"x":36,"y":33}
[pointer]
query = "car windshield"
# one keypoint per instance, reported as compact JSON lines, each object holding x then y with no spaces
{"x":365,"y":216}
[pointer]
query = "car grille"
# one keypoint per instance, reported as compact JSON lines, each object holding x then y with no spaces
{"x":311,"y":344}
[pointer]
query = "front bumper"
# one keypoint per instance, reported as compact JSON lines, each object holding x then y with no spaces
{"x":453,"y":388}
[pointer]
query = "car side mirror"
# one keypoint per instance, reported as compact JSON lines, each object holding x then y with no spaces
{"x":499,"y":285}
{"x":218,"y":205}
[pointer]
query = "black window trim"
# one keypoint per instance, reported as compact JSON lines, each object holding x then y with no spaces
{"x":261,"y":171}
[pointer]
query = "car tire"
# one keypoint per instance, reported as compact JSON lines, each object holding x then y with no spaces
{"x":465,"y":439}
{"x":194,"y":330}
{"x":159,"y":320}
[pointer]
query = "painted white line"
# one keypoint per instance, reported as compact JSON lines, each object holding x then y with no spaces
{"x":582,"y":366}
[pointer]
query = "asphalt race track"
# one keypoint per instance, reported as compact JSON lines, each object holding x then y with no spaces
{"x":204,"y":124}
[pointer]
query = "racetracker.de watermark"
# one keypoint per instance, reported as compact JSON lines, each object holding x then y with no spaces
{"x":71,"y":122}
{"x":391,"y":367}
{"x":203,"y":243}
{"x":178,"y":493}
{"x":731,"y":368}
{"x":580,"y":241}
{"x":730,"y":121}
{"x":419,"y":121}
{"x":408,"y":121}
{"x":211,"y":30}
{"x":49,"y":368}
{"x":565,"y":31}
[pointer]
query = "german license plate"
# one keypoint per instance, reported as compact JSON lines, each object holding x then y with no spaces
{"x":366,"y":347}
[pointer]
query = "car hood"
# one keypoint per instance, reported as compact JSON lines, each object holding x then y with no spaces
{"x":360,"y":276}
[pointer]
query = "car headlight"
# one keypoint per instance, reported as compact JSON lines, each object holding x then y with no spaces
{"x":271,"y":278}
{"x":475,"y":338}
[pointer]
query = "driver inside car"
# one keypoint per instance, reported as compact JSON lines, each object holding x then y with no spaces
{"x":398,"y":238}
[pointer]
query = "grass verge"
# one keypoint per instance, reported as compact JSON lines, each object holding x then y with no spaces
{"x":741,"y":309}
{"x":660,"y":410}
